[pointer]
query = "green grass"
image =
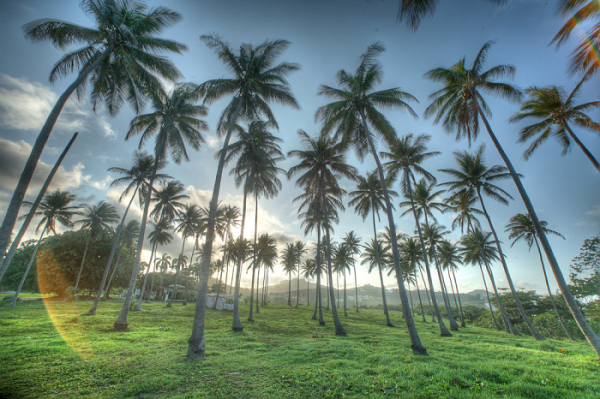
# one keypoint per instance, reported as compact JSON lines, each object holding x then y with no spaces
{"x":283,"y":354}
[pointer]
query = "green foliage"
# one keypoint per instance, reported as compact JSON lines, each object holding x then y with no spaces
{"x":585,"y":269}
{"x":17,"y":267}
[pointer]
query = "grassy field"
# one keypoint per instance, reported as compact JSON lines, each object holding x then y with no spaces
{"x":53,"y":350}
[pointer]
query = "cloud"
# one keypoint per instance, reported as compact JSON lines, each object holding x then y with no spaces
{"x":594,"y":212}
{"x":25,"y":105}
{"x":214,"y":142}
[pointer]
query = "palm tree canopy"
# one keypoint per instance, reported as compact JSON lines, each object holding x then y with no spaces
{"x":190,"y":217}
{"x":368,"y":196}
{"x":475,"y":243}
{"x":356,"y":101}
{"x":520,"y":227}
{"x":288,"y":258}
{"x":556,"y":109}
{"x":130,"y":234}
{"x":266,"y":251}
{"x":425,"y":200}
{"x":256,"y":80}
{"x":160,"y":234}
{"x":352,"y":242}
{"x":168,"y":200}
{"x":97,"y":218}
{"x":163,"y":263}
{"x":55,"y":207}
{"x":370,"y":250}
{"x":462,"y":203}
{"x":456,"y":104}
{"x":448,"y":255}
{"x":342,"y":259}
{"x":125,"y":34}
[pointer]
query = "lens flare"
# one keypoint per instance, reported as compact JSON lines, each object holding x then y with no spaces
{"x":588,"y":48}
{"x":64,"y":315}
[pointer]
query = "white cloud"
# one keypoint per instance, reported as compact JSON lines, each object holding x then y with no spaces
{"x":594,"y":212}
{"x":214,"y":142}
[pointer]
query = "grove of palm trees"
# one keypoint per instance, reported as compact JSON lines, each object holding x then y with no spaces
{"x":298,"y":183}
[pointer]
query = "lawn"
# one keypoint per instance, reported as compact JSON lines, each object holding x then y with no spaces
{"x":54,"y":350}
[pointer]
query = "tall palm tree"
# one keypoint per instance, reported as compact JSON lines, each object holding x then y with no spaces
{"x":341,"y":262}
{"x":163,"y":263}
{"x":174,"y":122}
{"x":308,"y":268}
{"x":158,"y":236}
{"x":352,"y":242}
{"x":355,"y":118}
{"x":137,"y":177}
{"x":474,"y":176}
{"x":289,"y":265}
{"x":256,"y":82}
{"x":405,"y":157}
{"x":129,"y":236}
{"x":555,"y":109}
{"x":322,"y":163}
{"x":96,"y":219}
{"x":168,"y":200}
{"x":374,"y":256}
{"x":231,"y":217}
{"x":369,"y":198}
{"x":520,"y":228}
{"x":299,"y":251}
{"x":449,"y":260}
{"x":463,"y":105}
{"x":55,"y":207}
{"x":584,"y":59}
{"x":121,"y":59}
{"x":412,"y":253}
{"x":265,"y":254}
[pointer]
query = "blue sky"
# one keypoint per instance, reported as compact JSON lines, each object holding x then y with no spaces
{"x":326,"y":36}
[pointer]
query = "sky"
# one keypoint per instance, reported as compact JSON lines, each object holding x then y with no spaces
{"x":326,"y":36}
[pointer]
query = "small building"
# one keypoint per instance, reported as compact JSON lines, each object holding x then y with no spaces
{"x":225,"y":301}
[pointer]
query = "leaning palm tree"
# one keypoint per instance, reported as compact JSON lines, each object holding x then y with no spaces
{"x":474,"y":176}
{"x":55,"y":207}
{"x":373,"y":256}
{"x":256,"y":82}
{"x":322,"y":163}
{"x":129,"y":236}
{"x":137,"y":177}
{"x":352,"y":242}
{"x":555,"y":109}
{"x":369,"y":198}
{"x":354,"y":117}
{"x":97,"y":220}
{"x":520,"y":228}
{"x":174,"y":122}
{"x":405,"y":157}
{"x":461,"y":105}
{"x":449,"y":260}
{"x":120,"y":59}
{"x":412,"y":254}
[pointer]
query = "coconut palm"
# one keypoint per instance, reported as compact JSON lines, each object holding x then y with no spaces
{"x":341,"y":262}
{"x":308,"y":268}
{"x":461,"y":105}
{"x":555,"y":109}
{"x":584,"y":59}
{"x":288,"y":259}
{"x":55,"y":207}
{"x":412,"y":254}
{"x":168,"y":200}
{"x":299,"y":251}
{"x":256,"y":82}
{"x":352,"y":242}
{"x":265,"y":254}
{"x":129,"y":236}
{"x":174,"y":122}
{"x":405,"y":157}
{"x":474,"y":176}
{"x":322,"y":163}
{"x":120,"y":59}
{"x":354,"y":117}
{"x":369,"y":198}
{"x":96,"y":219}
{"x":520,"y":228}
{"x":163,"y":263}
{"x":449,"y":259}
{"x":373,"y":255}
{"x":137,"y":177}
{"x":231,"y":217}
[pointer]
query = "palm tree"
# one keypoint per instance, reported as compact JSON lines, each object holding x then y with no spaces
{"x":163,"y":263}
{"x":322,"y":163}
{"x":520,"y":228}
{"x":158,"y":236}
{"x":265,"y":254}
{"x":354,"y":117}
{"x":231,"y":217}
{"x":256,"y":82}
{"x":222,"y":226}
{"x":55,"y":207}
{"x":449,"y":260}
{"x":289,"y":265}
{"x":352,"y":242}
{"x":412,"y":253}
{"x":584,"y":59}
{"x":299,"y":251}
{"x":174,"y":123}
{"x":406,"y":155}
{"x":129,"y":236}
{"x":137,"y":177}
{"x":462,"y":104}
{"x":374,"y":256}
{"x":342,"y":261}
{"x":97,"y":219}
{"x":168,"y":201}
{"x":555,"y":109}
{"x":474,"y":176}
{"x":369,"y":198}
{"x":120,"y":59}
{"x":308,"y":268}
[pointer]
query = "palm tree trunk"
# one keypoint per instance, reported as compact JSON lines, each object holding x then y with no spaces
{"x":416,"y":345}
{"x":345,"y":298}
{"x":462,"y":315}
{"x":83,"y":259}
{"x":13,"y":303}
{"x":255,"y":239}
{"x":290,"y":288}
{"x":378,"y":258}
{"x":593,"y":160}
{"x":196,"y":348}
{"x":138,"y":307}
{"x":428,"y":297}
{"x":34,"y":206}
{"x":562,"y":284}
{"x":122,"y":322}
{"x":307,"y":292}
{"x":319,"y":303}
{"x":36,"y":152}
{"x":562,"y":323}
{"x":420,"y":301}
{"x":236,"y":326}
{"x":113,"y":273}
{"x":177,"y":275}
{"x":536,"y":334}
{"x":453,"y":323}
{"x":355,"y":285}
{"x":488,"y":298}
{"x":298,"y":287}
{"x":453,"y":293}
{"x":218,"y":286}
{"x":220,"y":275}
